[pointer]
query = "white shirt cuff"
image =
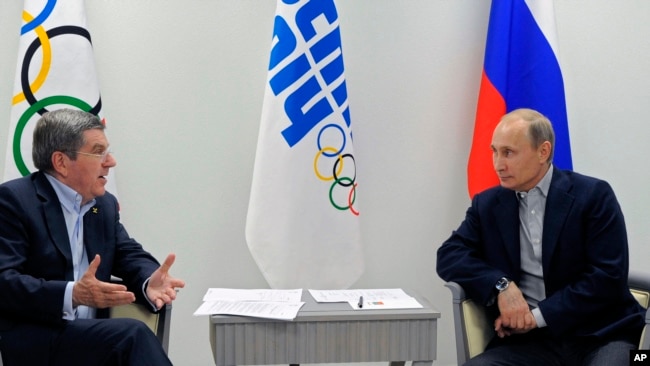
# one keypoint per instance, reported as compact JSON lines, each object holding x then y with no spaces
{"x":68,"y":310}
{"x":144,"y":291}
{"x":539,"y":318}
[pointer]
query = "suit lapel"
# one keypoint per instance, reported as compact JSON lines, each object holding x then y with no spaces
{"x":558,"y":204}
{"x":93,"y":232}
{"x":54,"y":219}
{"x":507,"y":213}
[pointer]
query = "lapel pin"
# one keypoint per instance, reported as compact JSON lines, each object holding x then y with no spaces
{"x":95,"y":210}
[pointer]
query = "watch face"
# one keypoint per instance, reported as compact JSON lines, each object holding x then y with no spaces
{"x":502,"y":284}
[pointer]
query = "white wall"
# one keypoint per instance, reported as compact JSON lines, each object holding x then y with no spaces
{"x":182,"y":85}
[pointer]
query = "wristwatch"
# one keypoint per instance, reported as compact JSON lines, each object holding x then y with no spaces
{"x":502,"y":284}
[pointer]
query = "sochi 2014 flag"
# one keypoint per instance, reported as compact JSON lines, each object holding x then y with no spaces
{"x":302,"y":227}
{"x":521,"y":70}
{"x":55,"y":69}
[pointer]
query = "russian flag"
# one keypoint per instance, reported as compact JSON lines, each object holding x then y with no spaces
{"x":521,"y":70}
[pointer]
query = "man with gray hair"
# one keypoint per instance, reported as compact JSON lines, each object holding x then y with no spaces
{"x":60,"y":241}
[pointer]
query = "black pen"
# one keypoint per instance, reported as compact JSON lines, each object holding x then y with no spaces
{"x":360,"y":302}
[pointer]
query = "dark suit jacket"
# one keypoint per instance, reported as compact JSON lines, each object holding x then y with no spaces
{"x":584,"y":255}
{"x":35,"y":255}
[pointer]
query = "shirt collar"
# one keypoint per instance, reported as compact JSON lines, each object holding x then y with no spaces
{"x":69,"y":198}
{"x":543,"y":185}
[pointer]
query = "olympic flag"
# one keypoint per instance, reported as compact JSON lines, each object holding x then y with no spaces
{"x":55,"y":70}
{"x":521,"y":70}
{"x":302,"y":227}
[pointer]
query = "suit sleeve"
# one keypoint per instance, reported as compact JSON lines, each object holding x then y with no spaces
{"x":27,"y":292}
{"x":129,"y":260}
{"x":463,"y":257}
{"x":590,"y":294}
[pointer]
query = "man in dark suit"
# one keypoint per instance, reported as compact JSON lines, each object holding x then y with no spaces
{"x":547,"y":250}
{"x":60,"y":242}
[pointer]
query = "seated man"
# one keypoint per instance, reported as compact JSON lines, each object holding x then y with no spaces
{"x":547,"y":249}
{"x":60,"y":242}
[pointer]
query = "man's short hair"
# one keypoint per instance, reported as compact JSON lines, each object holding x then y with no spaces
{"x":61,"y":130}
{"x":539,"y":130}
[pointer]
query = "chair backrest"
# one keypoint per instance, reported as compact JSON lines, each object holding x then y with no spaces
{"x":639,"y":283}
{"x":159,"y":322}
{"x":478,"y":331}
{"x":473,"y":327}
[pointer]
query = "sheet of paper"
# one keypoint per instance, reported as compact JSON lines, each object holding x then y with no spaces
{"x":354,"y":295}
{"x":231,"y":294}
{"x":403,"y":303}
{"x":260,"y":309}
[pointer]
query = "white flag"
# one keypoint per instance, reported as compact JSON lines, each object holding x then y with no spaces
{"x":303,"y":216}
{"x":56,"y":69}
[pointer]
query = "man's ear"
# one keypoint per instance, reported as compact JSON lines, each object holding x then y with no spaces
{"x":60,"y":163}
{"x":544,"y":151}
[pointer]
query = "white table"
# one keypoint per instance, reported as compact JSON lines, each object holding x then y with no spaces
{"x":327,"y":333}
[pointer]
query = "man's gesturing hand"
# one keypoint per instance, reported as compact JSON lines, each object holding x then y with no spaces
{"x":161,"y":289}
{"x":92,"y":292}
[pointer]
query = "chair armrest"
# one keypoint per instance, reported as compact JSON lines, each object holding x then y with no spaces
{"x":639,"y":283}
{"x":457,"y":292}
{"x":644,"y":342}
{"x":639,"y":280}
{"x":473,"y":326}
{"x":158,"y":322}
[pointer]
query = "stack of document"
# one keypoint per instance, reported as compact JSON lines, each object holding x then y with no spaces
{"x":368,"y":299}
{"x":260,"y":303}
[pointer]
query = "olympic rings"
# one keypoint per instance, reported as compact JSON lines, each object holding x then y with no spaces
{"x":337,"y":169}
{"x":31,"y":50}
{"x":320,"y":133}
{"x":45,"y":62}
{"x":36,"y":106}
{"x":335,"y":173}
{"x":40,"y":18}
